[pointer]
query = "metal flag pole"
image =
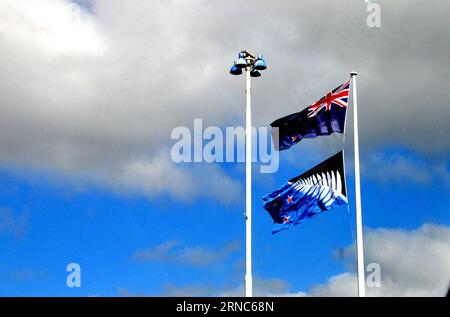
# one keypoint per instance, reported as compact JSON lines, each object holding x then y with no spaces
{"x":252,"y":65}
{"x":359,"y":231}
{"x":248,"y":187}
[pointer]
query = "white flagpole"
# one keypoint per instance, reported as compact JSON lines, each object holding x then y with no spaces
{"x":359,"y":231}
{"x":248,"y":188}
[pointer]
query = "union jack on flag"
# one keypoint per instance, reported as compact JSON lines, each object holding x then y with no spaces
{"x":338,"y":97}
{"x":324,"y":117}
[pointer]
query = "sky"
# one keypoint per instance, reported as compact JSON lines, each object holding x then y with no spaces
{"x":91,"y":90}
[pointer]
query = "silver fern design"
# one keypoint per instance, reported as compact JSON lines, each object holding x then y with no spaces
{"x":319,"y":189}
{"x":326,"y":187}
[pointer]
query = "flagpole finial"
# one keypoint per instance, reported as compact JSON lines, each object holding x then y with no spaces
{"x":353,"y":73}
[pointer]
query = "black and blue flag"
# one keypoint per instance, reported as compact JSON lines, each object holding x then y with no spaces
{"x":319,"y":189}
{"x":324,"y":117}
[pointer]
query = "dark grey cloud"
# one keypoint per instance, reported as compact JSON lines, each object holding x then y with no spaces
{"x":94,"y":97}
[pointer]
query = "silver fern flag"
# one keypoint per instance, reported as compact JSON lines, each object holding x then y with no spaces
{"x":319,"y":189}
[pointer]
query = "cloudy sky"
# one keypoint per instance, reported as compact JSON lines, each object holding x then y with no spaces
{"x":91,"y":90}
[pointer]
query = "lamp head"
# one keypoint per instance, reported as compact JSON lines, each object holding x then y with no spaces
{"x":260,"y":63}
{"x":235,"y":70}
{"x":255,"y":73}
{"x":241,"y":62}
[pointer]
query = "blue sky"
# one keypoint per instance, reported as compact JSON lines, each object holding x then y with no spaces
{"x":101,"y":232}
{"x":86,"y":174}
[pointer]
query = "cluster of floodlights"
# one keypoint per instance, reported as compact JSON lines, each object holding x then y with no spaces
{"x":248,"y":61}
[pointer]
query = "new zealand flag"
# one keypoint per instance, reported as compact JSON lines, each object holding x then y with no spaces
{"x":322,"y":118}
{"x":305,"y":196}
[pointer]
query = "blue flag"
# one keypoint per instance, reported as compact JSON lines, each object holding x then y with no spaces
{"x":324,"y":117}
{"x":305,"y":196}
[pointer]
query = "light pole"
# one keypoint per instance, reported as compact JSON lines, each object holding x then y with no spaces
{"x":252,"y":66}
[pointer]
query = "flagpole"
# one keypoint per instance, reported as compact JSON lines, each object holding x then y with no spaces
{"x":359,"y":230}
{"x":248,"y":187}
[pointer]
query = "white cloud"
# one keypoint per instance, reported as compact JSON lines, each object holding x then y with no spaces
{"x":159,"y":175}
{"x":342,"y":285}
{"x":51,"y":26}
{"x":393,"y":167}
{"x":174,"y":252}
{"x":12,"y":223}
{"x":398,"y":168}
{"x":413,"y":263}
{"x":262,"y":287}
{"x":27,"y":274}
